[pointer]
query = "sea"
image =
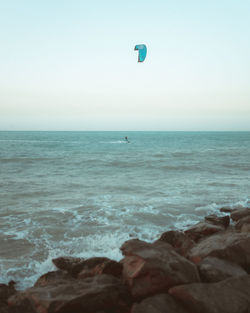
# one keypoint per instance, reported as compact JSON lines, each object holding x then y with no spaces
{"x":83,"y":194}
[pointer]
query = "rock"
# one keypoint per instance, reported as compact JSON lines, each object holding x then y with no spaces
{"x":233,"y":247}
{"x":75,"y":265}
{"x":228,"y":296}
{"x":160,"y":303}
{"x":238,"y":214}
{"x":243,"y":223}
{"x":67,"y":263}
{"x":57,"y":277}
{"x":213,"y":270}
{"x":150,"y":268}
{"x":226,"y":209}
{"x":5,"y":292}
{"x":178,"y":240}
{"x":218,"y":220}
{"x":245,"y":228}
{"x":203,"y":229}
{"x":106,"y":267}
{"x":103,"y":293}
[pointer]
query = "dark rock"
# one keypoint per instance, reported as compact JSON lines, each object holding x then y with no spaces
{"x":76,"y":265}
{"x":153,"y":268}
{"x":178,"y":240}
{"x":99,"y":293}
{"x":238,"y":214}
{"x":245,"y":228}
{"x":106,"y":267}
{"x":203,"y":229}
{"x":5,"y":292}
{"x":234,"y":247}
{"x":67,"y":263}
{"x":55,"y":277}
{"x":87,"y":264}
{"x":160,"y":303}
{"x":228,"y":296}
{"x":226,"y":209}
{"x":243,"y":224}
{"x":218,"y":220}
{"x":213,"y":270}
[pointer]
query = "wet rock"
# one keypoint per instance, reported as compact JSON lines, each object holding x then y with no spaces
{"x":5,"y":292}
{"x":245,"y":228}
{"x":153,"y":268}
{"x":233,"y":247}
{"x":103,"y":293}
{"x":218,"y":220}
{"x":160,"y":303}
{"x":228,"y":296}
{"x":55,"y":277}
{"x":243,"y":224}
{"x":226,"y":209}
{"x":104,"y":267}
{"x":76,"y":265}
{"x":203,"y":229}
{"x":178,"y":240}
{"x":213,"y":270}
{"x":238,"y":214}
{"x":67,"y":263}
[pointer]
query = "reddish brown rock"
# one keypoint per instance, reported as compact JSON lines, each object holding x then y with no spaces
{"x":238,"y":214}
{"x":226,"y":209}
{"x":203,"y":229}
{"x":178,"y":240}
{"x":100,"y":293}
{"x":153,"y":268}
{"x":213,"y":270}
{"x":160,"y":303}
{"x":106,"y":267}
{"x":228,"y":296}
{"x":5,"y":292}
{"x":55,"y":277}
{"x":91,"y":266}
{"x":234,"y":247}
{"x":242,"y":224}
{"x":67,"y":263}
{"x":218,"y":220}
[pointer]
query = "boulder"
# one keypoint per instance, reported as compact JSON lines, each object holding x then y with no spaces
{"x":213,"y":270}
{"x":228,"y":296}
{"x":238,"y":214}
{"x":66,"y":263}
{"x":178,"y":240}
{"x":150,"y":268}
{"x":102,"y":293}
{"x":245,"y":228}
{"x":55,"y":277}
{"x":243,"y":224}
{"x":160,"y":303}
{"x":106,"y":267}
{"x":5,"y":292}
{"x":230,"y":246}
{"x":76,"y":266}
{"x":203,"y":229}
{"x":218,"y":220}
{"x":226,"y":209}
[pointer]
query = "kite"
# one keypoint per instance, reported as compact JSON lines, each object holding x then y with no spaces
{"x":142,"y":52}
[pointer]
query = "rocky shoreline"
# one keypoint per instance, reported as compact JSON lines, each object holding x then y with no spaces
{"x":205,"y":269}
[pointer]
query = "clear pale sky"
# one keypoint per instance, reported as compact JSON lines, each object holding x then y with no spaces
{"x":71,"y":65}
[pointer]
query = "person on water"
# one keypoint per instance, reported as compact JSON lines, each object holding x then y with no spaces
{"x":126,"y":138}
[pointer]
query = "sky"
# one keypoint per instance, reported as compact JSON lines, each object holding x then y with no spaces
{"x":71,"y":65}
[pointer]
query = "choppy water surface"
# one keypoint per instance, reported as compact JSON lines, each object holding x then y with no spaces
{"x":85,"y":193}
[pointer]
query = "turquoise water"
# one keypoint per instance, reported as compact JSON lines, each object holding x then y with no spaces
{"x":85,"y":193}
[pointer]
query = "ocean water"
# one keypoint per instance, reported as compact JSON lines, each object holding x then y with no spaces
{"x":85,"y":193}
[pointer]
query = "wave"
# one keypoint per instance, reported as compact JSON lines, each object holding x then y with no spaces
{"x":23,"y":159}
